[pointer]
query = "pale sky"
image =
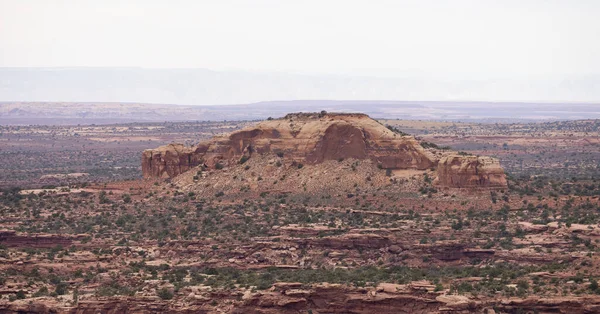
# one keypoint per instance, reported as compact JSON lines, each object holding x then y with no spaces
{"x":462,"y":38}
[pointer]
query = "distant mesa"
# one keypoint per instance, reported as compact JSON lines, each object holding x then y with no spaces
{"x":312,"y":138}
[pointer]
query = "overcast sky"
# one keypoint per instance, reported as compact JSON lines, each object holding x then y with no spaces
{"x":454,"y":38}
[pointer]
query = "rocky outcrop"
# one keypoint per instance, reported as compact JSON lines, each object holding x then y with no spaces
{"x":349,"y":241}
{"x":312,"y":138}
{"x":307,"y":138}
{"x":415,"y":297}
{"x":335,"y":298}
{"x":169,"y":161}
{"x":11,"y":238}
{"x":470,"y":172}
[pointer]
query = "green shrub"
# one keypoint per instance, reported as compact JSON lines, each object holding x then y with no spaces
{"x":244,"y":159}
{"x":165,"y":294}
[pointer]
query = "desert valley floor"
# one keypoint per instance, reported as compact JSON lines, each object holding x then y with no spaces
{"x":82,"y":232}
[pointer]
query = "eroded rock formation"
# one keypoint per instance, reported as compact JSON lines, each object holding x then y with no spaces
{"x":470,"y":172}
{"x":11,"y":238}
{"x":168,"y":161}
{"x":312,"y":138}
{"x":416,"y":297}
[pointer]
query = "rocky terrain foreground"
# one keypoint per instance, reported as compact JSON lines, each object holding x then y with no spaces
{"x":312,"y":138}
{"x":371,"y":221}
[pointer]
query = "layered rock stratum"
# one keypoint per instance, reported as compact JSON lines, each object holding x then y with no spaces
{"x":312,"y":138}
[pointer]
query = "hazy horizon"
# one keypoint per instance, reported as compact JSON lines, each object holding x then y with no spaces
{"x":209,"y":87}
{"x":234,"y":51}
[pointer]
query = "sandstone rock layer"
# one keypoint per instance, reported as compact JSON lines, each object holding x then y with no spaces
{"x":312,"y":138}
{"x":470,"y":172}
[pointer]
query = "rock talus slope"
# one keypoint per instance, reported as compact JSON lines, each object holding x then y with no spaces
{"x":312,"y":138}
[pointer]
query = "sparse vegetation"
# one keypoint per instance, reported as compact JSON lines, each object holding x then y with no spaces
{"x":171,"y":241}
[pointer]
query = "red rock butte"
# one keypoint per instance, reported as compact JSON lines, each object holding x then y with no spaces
{"x":311,"y":138}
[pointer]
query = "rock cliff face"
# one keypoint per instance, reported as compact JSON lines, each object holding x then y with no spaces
{"x":168,"y":161}
{"x":312,"y":138}
{"x":470,"y":172}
